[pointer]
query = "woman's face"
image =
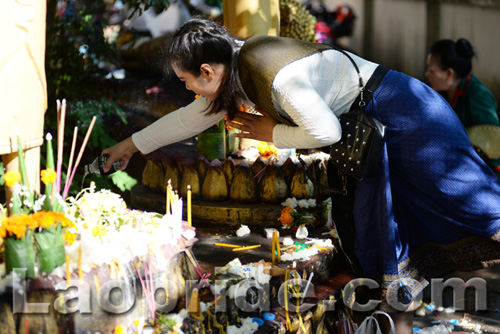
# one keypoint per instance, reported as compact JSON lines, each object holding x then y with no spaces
{"x":207,"y":84}
{"x":439,"y":79}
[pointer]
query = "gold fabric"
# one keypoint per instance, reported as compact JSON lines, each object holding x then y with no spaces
{"x":261,"y":58}
{"x":487,"y":138}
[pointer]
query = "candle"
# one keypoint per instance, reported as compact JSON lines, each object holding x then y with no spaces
{"x":68,"y":272}
{"x":189,"y":205}
{"x":80,"y":272}
{"x":322,"y":248}
{"x":227,"y":245}
{"x":245,"y":248}
{"x":287,"y":275}
{"x":294,"y":272}
{"x":273,"y":248}
{"x":49,"y":198}
{"x":278,"y":248}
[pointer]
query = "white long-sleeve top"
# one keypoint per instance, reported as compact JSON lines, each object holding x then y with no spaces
{"x":312,"y":92}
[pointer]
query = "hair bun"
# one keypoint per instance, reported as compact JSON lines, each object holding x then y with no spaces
{"x":464,"y":48}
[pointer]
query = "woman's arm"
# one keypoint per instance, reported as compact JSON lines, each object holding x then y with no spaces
{"x":178,"y":125}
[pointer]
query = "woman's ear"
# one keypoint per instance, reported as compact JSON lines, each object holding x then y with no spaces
{"x":450,"y":74}
{"x":207,"y":71}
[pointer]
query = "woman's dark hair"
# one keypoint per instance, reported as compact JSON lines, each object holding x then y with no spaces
{"x":200,"y":41}
{"x":455,"y":55}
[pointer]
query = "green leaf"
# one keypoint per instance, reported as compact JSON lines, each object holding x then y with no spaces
{"x":122,"y":180}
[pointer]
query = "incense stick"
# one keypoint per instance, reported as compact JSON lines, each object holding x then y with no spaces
{"x":60,"y":144}
{"x":82,"y":148}
{"x":70,"y":163}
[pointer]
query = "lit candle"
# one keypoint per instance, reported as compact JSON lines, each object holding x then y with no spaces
{"x":189,"y":205}
{"x":80,"y":271}
{"x":68,"y":272}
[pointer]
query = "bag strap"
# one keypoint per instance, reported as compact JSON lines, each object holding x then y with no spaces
{"x":318,"y":184}
{"x":362,"y":102}
{"x":370,"y":321}
{"x":391,"y":322}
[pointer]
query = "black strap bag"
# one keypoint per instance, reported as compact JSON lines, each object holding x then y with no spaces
{"x":359,"y":151}
{"x":357,"y":154}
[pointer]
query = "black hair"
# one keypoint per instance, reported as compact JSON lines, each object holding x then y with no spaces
{"x":455,"y":55}
{"x":200,"y":41}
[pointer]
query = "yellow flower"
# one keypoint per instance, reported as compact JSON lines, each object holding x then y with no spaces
{"x":286,"y":218}
{"x":48,"y":176}
{"x":69,"y":238}
{"x":44,"y":219}
{"x":15,"y":226}
{"x":11,"y":178}
{"x":119,"y":330}
{"x":99,"y":230}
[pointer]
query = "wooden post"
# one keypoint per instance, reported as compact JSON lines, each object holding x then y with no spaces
{"x":22,"y":85}
{"x":247,"y":18}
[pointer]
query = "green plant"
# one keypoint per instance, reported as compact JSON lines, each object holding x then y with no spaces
{"x":76,"y":49}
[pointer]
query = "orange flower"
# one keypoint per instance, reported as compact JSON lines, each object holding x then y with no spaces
{"x":15,"y":226}
{"x":11,"y":178}
{"x":44,"y":219}
{"x":69,"y":238}
{"x":48,"y":176}
{"x":286,"y":217}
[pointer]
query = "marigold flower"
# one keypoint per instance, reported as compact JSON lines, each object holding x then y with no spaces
{"x":48,"y":176}
{"x":286,"y":217}
{"x":15,"y":226}
{"x":44,"y":219}
{"x":69,"y":238}
{"x":11,"y":178}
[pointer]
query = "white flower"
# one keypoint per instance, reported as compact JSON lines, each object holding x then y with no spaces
{"x":291,"y":202}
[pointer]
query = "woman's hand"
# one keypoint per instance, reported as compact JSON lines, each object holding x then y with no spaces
{"x":253,"y":126}
{"x":122,"y":151}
